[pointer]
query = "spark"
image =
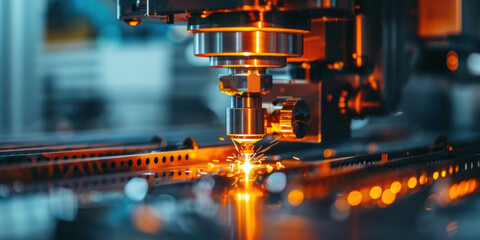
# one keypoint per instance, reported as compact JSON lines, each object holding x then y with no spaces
{"x":248,"y":167}
{"x":279,"y":165}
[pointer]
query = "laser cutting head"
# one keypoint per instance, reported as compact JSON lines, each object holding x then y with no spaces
{"x":247,"y":37}
{"x":248,"y":43}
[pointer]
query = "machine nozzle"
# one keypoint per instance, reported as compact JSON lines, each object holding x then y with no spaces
{"x":245,"y":122}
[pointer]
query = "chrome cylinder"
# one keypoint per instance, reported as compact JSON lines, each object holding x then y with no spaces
{"x":251,"y":43}
{"x":245,"y":119}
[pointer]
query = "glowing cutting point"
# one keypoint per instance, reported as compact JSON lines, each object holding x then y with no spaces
{"x":269,"y":168}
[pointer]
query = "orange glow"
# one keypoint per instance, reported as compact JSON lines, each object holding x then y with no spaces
{"x":279,"y":165}
{"x":412,"y":182}
{"x":246,"y":54}
{"x":384,"y":157}
{"x":375,"y":192}
{"x":146,"y":220}
{"x":372,"y":82}
{"x":133,"y":22}
{"x":444,"y":173}
{"x":435,"y":175}
{"x":388,"y":197}
{"x":258,"y":41}
{"x":328,"y":153}
{"x":472,"y":185}
{"x":422,"y":179}
{"x":453,"y":192}
{"x":327,"y":3}
{"x":358,"y":26}
{"x":306,"y":65}
{"x":452,"y":61}
{"x":248,"y":29}
{"x":456,"y":168}
{"x":395,"y":187}
{"x":295,"y":197}
{"x":354,"y":198}
{"x":463,"y":188}
{"x":450,"y":170}
{"x":246,"y":215}
{"x":247,"y":168}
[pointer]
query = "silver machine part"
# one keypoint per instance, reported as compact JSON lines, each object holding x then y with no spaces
{"x":251,"y":42}
{"x":242,"y":111}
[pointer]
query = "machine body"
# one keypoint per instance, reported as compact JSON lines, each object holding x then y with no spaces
{"x":342,"y":59}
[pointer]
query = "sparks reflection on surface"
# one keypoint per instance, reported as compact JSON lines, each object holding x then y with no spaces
{"x":246,"y":207}
{"x":245,"y":169}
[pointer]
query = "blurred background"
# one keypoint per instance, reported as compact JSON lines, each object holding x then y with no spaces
{"x":69,"y":66}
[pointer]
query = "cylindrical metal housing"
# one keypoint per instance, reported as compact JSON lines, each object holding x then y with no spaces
{"x":245,"y":118}
{"x":251,"y":43}
{"x":245,"y":121}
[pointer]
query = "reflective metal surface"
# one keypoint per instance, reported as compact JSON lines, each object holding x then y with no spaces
{"x":245,"y":119}
{"x":251,"y":43}
{"x":238,"y":62}
{"x":428,"y":192}
{"x":292,"y":119}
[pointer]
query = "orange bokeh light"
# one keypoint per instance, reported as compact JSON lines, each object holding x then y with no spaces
{"x":388,"y":197}
{"x":412,"y":182}
{"x":375,"y":192}
{"x":328,"y":153}
{"x":295,"y":197}
{"x":452,"y":61}
{"x":395,"y":187}
{"x":422,"y":179}
{"x":453,"y":192}
{"x":354,"y":198}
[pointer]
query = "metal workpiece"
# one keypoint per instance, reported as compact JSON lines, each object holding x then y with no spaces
{"x":290,"y":118}
{"x":245,"y":118}
{"x":252,"y":81}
